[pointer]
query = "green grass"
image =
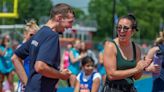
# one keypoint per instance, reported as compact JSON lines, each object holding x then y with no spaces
{"x":62,"y":83}
{"x":16,"y":78}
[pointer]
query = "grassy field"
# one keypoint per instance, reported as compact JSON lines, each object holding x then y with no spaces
{"x":63,"y":83}
{"x":138,"y":83}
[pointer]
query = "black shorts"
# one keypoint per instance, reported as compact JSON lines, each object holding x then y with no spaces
{"x":118,"y":88}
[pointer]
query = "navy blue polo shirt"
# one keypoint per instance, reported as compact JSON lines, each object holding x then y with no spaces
{"x":161,"y":47}
{"x":43,"y":46}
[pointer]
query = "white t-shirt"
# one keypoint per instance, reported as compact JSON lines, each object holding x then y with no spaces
{"x":86,"y":78}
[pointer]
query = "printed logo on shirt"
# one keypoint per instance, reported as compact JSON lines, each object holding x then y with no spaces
{"x":35,"y":43}
{"x":84,"y":88}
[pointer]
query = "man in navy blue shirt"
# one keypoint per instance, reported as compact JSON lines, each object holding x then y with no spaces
{"x":44,"y":50}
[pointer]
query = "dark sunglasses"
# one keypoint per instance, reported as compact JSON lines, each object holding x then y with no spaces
{"x":124,"y":28}
{"x":31,"y":34}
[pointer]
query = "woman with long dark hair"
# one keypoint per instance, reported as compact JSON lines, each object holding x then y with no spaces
{"x":122,"y":58}
{"x":6,"y":66}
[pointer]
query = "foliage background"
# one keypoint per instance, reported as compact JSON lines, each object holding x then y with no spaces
{"x":149,"y":15}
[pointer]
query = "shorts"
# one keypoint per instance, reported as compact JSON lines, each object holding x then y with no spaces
{"x":118,"y":88}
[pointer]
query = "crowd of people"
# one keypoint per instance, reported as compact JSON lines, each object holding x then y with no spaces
{"x":36,"y":60}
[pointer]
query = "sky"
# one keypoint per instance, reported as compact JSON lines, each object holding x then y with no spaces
{"x":82,"y":4}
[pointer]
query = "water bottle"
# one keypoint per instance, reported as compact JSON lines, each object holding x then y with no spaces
{"x":157,"y":60}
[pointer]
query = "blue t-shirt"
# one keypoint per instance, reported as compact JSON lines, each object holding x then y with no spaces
{"x":88,"y":84}
{"x":43,"y":46}
{"x":161,"y":47}
{"x":26,"y":65}
{"x":6,"y":66}
{"x":74,"y":67}
{"x":101,"y":68}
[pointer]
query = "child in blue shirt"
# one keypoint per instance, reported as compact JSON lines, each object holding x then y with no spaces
{"x":88,"y":80}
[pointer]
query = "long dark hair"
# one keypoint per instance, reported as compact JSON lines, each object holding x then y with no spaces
{"x":132,"y":19}
{"x":86,"y":60}
{"x":3,"y":40}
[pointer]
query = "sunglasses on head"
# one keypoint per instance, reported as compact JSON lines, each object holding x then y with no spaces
{"x":124,"y":28}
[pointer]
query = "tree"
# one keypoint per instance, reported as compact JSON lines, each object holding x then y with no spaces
{"x":101,"y":10}
{"x":79,"y":14}
{"x":149,"y":15}
{"x":30,"y":9}
{"x":35,"y":9}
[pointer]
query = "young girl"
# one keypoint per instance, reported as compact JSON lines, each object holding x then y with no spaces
{"x":29,"y":30}
{"x":6,"y":66}
{"x":75,"y":59}
{"x":88,"y":80}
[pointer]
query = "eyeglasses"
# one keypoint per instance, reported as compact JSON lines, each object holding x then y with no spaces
{"x":124,"y":28}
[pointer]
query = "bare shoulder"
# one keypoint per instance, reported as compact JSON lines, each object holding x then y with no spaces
{"x":109,"y":46}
